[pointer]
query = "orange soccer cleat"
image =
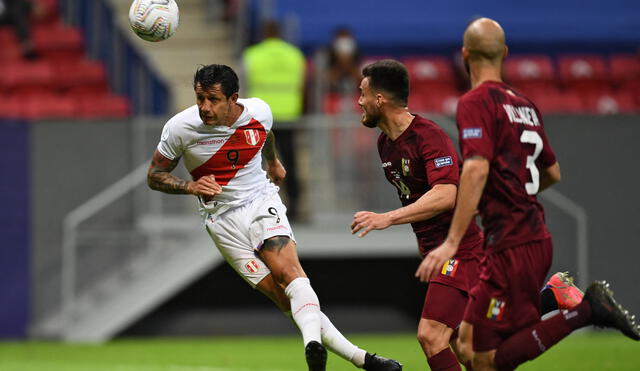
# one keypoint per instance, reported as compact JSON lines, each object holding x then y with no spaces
{"x":566,"y":293}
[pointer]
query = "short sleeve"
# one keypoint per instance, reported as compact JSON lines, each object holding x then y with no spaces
{"x":441,"y":159}
{"x":170,"y":145}
{"x":475,"y":129}
{"x":547,"y":156}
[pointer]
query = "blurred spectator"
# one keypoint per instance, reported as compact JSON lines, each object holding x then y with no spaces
{"x":275,"y":72}
{"x":344,"y":62}
{"x":16,"y":13}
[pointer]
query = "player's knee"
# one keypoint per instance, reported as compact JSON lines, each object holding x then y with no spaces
{"x":464,"y":350}
{"x":432,"y":338}
{"x":285,"y":274}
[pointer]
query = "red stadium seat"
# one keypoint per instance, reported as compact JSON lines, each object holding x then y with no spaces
{"x":103,"y":106}
{"x":49,"y":106}
{"x":48,"y":12}
{"x":624,"y":67}
{"x":22,"y":77}
{"x":583,"y":72}
{"x":430,"y":72}
{"x":526,"y":72}
{"x":59,"y":42}
{"x":9,"y":49}
{"x":611,"y":103}
{"x":434,"y":101}
{"x":552,"y":100}
{"x":11,"y":107}
{"x":334,"y":103}
{"x":81,"y":76}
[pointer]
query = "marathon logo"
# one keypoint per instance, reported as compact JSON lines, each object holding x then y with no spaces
{"x":496,"y":309}
{"x":450,"y":267}
{"x":443,"y":161}
{"x":252,"y":266}
{"x":277,"y":227}
{"x":472,"y":133}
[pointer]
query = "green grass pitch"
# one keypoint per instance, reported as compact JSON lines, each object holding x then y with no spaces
{"x":586,"y":351}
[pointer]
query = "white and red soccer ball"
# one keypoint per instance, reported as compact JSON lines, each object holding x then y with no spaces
{"x":154,"y":20}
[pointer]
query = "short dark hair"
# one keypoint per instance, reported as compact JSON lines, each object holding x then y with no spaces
{"x":389,"y":76}
{"x":213,"y":74}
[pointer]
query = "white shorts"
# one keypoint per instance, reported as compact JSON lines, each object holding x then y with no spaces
{"x":240,"y":232}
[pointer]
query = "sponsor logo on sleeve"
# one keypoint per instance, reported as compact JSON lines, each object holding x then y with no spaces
{"x":472,"y":133}
{"x":496,"y":309}
{"x":450,"y":267}
{"x":443,"y":161}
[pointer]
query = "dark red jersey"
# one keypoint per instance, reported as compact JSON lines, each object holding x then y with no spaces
{"x":503,"y":126}
{"x":420,"y":158}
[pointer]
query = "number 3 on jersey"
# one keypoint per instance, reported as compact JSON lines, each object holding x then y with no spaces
{"x":532,"y":137}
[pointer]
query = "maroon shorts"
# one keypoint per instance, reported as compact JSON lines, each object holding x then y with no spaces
{"x":447,"y":294}
{"x":507,"y":296}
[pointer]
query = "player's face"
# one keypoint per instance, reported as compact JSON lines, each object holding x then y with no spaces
{"x":368,"y":103}
{"x":213,"y":106}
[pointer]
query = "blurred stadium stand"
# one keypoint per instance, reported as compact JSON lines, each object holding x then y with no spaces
{"x":54,"y":84}
{"x":104,"y":255}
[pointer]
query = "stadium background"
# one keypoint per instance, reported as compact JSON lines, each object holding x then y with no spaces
{"x":52,"y":164}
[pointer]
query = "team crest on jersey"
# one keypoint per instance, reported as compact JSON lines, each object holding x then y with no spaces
{"x":450,"y":267}
{"x":252,"y":266}
{"x":406,"y":170}
{"x":496,"y":309}
{"x":252,"y":136}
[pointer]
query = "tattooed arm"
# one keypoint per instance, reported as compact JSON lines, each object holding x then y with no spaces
{"x":159,"y":178}
{"x":275,"y":169}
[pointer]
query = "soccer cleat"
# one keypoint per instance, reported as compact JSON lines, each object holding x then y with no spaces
{"x":566,"y":293}
{"x":605,"y":312}
{"x":373,"y":362}
{"x":316,"y":356}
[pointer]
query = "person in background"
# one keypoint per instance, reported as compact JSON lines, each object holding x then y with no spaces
{"x":344,"y":63}
{"x":274,"y":72}
{"x":16,"y":13}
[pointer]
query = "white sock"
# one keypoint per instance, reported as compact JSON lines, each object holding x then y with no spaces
{"x":305,"y":309}
{"x":338,"y":344}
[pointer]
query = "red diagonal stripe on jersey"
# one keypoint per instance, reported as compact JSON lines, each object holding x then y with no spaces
{"x":234,"y":154}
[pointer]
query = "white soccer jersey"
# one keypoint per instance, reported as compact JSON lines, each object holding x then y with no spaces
{"x":232,"y":154}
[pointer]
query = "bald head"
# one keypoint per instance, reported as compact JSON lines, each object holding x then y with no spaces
{"x":484,"y":39}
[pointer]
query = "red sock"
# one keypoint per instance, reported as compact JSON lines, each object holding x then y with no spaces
{"x":529,"y":343}
{"x":444,"y":361}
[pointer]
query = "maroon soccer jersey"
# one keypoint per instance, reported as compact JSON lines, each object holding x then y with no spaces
{"x":503,"y":126}
{"x":420,"y":158}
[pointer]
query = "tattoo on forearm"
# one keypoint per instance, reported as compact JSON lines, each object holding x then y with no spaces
{"x":159,"y":176}
{"x":269,"y":149}
{"x":276,"y":243}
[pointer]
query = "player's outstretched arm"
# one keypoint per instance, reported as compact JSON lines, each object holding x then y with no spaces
{"x":440,"y":198}
{"x":275,"y":169}
{"x":159,"y":178}
{"x":549,"y":176}
{"x":475,"y":171}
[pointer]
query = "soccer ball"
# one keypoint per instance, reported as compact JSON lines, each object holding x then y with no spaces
{"x":154,"y":20}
